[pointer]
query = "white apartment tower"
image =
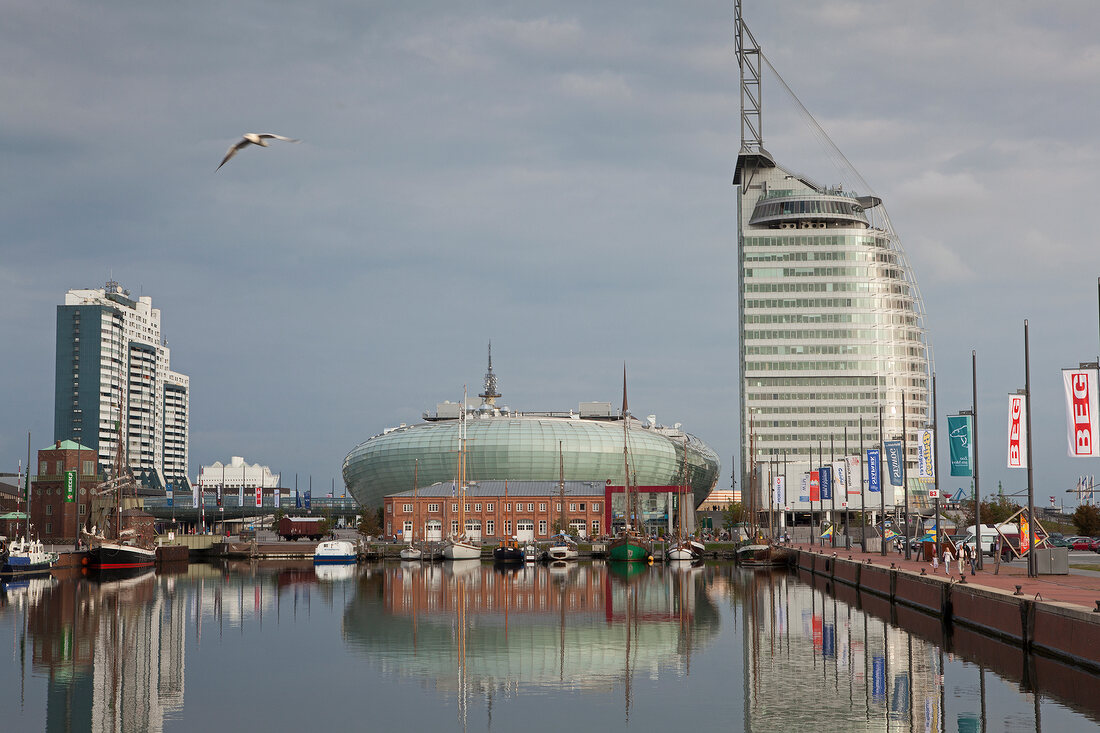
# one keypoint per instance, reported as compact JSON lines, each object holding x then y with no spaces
{"x":831,"y":321}
{"x":112,"y":373}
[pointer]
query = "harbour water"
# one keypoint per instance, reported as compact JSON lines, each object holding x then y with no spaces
{"x":470,"y":646}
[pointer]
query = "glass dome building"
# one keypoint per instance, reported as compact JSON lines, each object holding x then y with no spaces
{"x":502,"y":444}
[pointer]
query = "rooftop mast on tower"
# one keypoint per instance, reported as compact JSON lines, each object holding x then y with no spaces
{"x":489,"y":396}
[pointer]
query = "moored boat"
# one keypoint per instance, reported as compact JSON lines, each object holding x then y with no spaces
{"x":530,"y":552}
{"x":629,"y":547}
{"x":105,"y":554}
{"x":760,"y":555}
{"x":562,"y":547}
{"x":461,"y":548}
{"x":26,"y":558}
{"x":412,"y":552}
{"x":508,"y":551}
{"x":334,"y":552}
{"x":684,"y":549}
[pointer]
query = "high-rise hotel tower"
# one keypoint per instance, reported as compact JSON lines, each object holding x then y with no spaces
{"x":831,"y":320}
{"x":113,"y":374}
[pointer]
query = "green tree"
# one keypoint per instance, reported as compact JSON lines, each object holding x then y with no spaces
{"x":1087,"y":520}
{"x":732,"y":515}
{"x":370,"y":523}
{"x":276,"y":518}
{"x":993,"y":511}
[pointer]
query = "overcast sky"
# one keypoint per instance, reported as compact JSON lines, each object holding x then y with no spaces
{"x":555,"y":177}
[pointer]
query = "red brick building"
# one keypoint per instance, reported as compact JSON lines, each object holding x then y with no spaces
{"x":527,"y":510}
{"x":53,"y":519}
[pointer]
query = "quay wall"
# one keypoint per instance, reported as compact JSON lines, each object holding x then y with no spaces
{"x":1064,"y":631}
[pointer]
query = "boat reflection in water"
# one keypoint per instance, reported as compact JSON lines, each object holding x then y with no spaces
{"x":472,"y":628}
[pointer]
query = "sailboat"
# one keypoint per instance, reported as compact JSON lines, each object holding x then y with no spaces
{"x":756,"y":552}
{"x":413,"y":551}
{"x":562,"y":546}
{"x":115,"y":548}
{"x":628,"y":545}
{"x":683,"y":547}
{"x":462,"y":547}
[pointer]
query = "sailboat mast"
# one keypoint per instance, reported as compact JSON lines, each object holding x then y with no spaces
{"x":626,"y":462}
{"x":561,"y":489}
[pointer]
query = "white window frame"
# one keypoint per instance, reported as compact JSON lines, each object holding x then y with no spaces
{"x":490,"y":527}
{"x":542,"y":527}
{"x":433,"y":508}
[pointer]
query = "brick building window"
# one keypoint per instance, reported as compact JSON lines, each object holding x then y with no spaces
{"x":490,"y":528}
{"x":542,"y":526}
{"x":477,"y":507}
{"x":489,"y":507}
{"x":433,"y":507}
{"x":407,"y":508}
{"x":542,"y":506}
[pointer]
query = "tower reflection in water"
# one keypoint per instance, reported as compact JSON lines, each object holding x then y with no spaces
{"x":112,"y":652}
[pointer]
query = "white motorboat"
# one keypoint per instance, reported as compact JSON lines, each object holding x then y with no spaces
{"x":24,"y":558}
{"x":334,"y":552}
{"x":685,"y":549}
{"x":530,"y":553}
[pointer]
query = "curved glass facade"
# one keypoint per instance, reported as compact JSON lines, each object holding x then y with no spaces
{"x":832,"y":324}
{"x":525,"y":447}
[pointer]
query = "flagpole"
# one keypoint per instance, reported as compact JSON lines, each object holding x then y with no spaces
{"x":832,"y":494}
{"x":862,"y":491}
{"x":935,"y":468}
{"x":1032,"y":570}
{"x":847,"y":483}
{"x":974,"y":442}
{"x":905,"y":472}
{"x":881,"y":483}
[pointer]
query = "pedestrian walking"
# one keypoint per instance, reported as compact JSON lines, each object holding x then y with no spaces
{"x":961,"y":572}
{"x":969,"y":554}
{"x":947,"y":558}
{"x":935,"y":563}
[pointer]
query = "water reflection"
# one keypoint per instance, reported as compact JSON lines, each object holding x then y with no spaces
{"x":758,"y":651}
{"x":472,"y":626}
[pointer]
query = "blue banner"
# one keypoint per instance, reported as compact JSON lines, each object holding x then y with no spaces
{"x":893,"y":461}
{"x":874,"y":470}
{"x":825,"y":477}
{"x":168,"y":494}
{"x":309,"y":499}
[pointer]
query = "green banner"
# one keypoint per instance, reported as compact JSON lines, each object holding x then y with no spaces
{"x":959,"y":437}
{"x":70,"y":486}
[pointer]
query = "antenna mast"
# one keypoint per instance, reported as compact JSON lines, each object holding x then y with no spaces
{"x":748,"y":59}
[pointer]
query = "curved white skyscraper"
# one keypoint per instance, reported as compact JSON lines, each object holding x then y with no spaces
{"x":831,"y":321}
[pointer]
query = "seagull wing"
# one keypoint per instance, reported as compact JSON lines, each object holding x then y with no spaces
{"x":231,"y":152}
{"x":278,"y":137}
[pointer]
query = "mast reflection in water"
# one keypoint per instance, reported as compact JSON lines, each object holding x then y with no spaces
{"x":470,"y":646}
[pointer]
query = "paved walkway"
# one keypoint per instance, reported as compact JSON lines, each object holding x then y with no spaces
{"x":1080,"y":590}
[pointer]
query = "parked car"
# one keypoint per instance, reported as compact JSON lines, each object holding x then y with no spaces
{"x":1057,"y":542}
{"x":1081,"y":543}
{"x":1094,"y":544}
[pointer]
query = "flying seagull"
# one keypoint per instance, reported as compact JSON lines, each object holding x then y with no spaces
{"x":252,"y":138}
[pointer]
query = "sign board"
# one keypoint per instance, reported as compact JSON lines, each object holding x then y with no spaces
{"x":933,"y":494}
{"x":959,"y":429}
{"x":259,"y":496}
{"x":1082,"y":418}
{"x":874,"y":479}
{"x":1017,"y":431}
{"x":926,"y":463}
{"x":70,"y":486}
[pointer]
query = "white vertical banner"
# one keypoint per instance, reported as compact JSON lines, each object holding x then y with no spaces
{"x":1017,"y":431}
{"x":778,"y":490}
{"x":1083,"y":422}
{"x":804,"y":489}
{"x":840,"y":475}
{"x":195,"y":494}
{"x":854,"y":489}
{"x":926,"y":464}
{"x":277,"y":498}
